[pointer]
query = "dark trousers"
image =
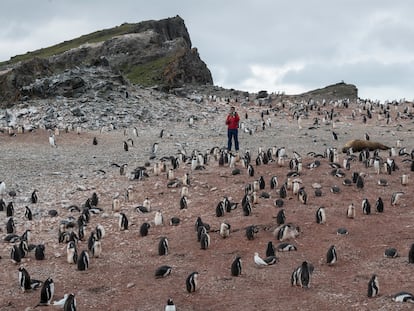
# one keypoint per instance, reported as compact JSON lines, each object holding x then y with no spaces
{"x":232,"y":134}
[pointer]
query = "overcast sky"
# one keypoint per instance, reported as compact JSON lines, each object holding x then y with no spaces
{"x":275,"y":45}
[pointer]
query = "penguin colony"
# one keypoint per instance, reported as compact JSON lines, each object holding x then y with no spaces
{"x":270,"y":178}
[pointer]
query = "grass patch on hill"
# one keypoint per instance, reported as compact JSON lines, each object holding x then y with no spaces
{"x":149,"y":73}
{"x":97,"y":36}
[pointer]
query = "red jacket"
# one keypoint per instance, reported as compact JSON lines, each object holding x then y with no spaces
{"x":233,"y":121}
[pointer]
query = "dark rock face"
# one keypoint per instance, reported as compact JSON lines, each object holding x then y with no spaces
{"x":165,"y":45}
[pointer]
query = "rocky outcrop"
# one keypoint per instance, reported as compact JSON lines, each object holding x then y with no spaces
{"x":151,"y":54}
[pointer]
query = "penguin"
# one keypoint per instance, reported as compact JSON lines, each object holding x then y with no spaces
{"x":94,"y":141}
{"x":183,"y":202}
{"x":143,"y":230}
{"x":47,"y":292}
{"x":334,"y":135}
{"x":158,"y":218}
{"x":270,"y":249}
{"x":279,"y":203}
{"x":15,"y":254}
{"x":258,"y":260}
{"x":116,"y":205}
{"x":70,"y":303}
{"x":250,"y":170}
{"x":28,"y":213}
{"x":204,"y":240}
{"x":395,"y":197}
{"x":360,"y":182}
{"x":24,"y":279}
{"x":411,"y":254}
{"x":100,"y":232}
{"x":379,"y":205}
{"x":301,"y":275}
{"x":270,"y":260}
{"x":174,"y":221}
{"x":2,"y":189}
{"x":236,"y":266}
{"x":251,"y":232}
{"x":34,"y":197}
{"x":163,"y":271}
{"x":10,"y":210}
{"x":126,"y":147}
{"x":123,"y":222}
{"x":281,"y":217}
{"x":262,"y":183}
{"x":366,"y":206}
{"x":320,"y":215}
{"x":163,"y":246}
{"x":220,"y":209}
{"x":331,"y":256}
{"x":224,"y":230}
{"x":192,"y":282}
{"x":350,"y":212}
{"x":52,"y":140}
{"x":2,"y":204}
{"x":391,"y":252}
{"x":170,"y":306}
{"x":286,"y":247}
{"x":83,"y":261}
{"x":302,"y":196}
{"x":286,"y":231}
{"x":373,"y":286}
{"x":71,"y":253}
{"x":24,"y":248}
{"x":40,"y":252}
{"x":96,"y":248}
{"x":273,"y":182}
{"x":10,"y":226}
{"x":403,"y":297}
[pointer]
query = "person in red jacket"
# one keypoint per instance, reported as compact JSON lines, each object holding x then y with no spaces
{"x":232,"y":122}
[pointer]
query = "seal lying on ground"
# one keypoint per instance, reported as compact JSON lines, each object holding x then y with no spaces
{"x":359,"y":145}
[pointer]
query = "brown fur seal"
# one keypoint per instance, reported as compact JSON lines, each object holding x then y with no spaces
{"x":359,"y":145}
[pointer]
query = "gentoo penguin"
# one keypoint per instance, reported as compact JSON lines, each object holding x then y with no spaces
{"x":123,"y":222}
{"x":391,"y":252}
{"x":273,"y":182}
{"x":71,"y":253}
{"x":170,"y":306}
{"x":224,"y":230}
{"x":143,"y":230}
{"x":83,"y":261}
{"x":96,"y":248}
{"x":350,"y":212}
{"x":258,"y":260}
{"x":47,"y":292}
{"x":34,"y":197}
{"x":163,"y":272}
{"x":191,"y":282}
{"x":70,"y":303}
{"x":286,"y":247}
{"x":2,"y":189}
{"x":220,"y":209}
{"x":10,"y":225}
{"x":366,"y":206}
{"x":40,"y":252}
{"x":301,"y":275}
{"x":411,"y":254}
{"x":174,"y":221}
{"x":52,"y":141}
{"x":2,"y":204}
{"x":183,"y":202}
{"x":147,"y":204}
{"x":262,"y":183}
{"x":26,"y":282}
{"x":360,"y":182}
{"x":395,"y":197}
{"x":236,"y":266}
{"x":379,"y":205}
{"x":403,"y":297}
{"x":100,"y":232}
{"x":10,"y":209}
{"x":331,"y":256}
{"x":158,"y":218}
{"x":250,"y":170}
{"x":28,"y":213}
{"x":270,"y":249}
{"x":94,"y":141}
{"x":126,"y":147}
{"x":281,"y":217}
{"x":116,"y":205}
{"x":24,"y":248}
{"x":320,"y":215}
{"x":286,"y":231}
{"x":163,"y":246}
{"x":302,"y":196}
{"x":204,"y":240}
{"x":373,"y":286}
{"x":15,"y":254}
{"x":251,"y":232}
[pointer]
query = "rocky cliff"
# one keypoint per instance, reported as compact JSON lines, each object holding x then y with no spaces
{"x":151,"y":53}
